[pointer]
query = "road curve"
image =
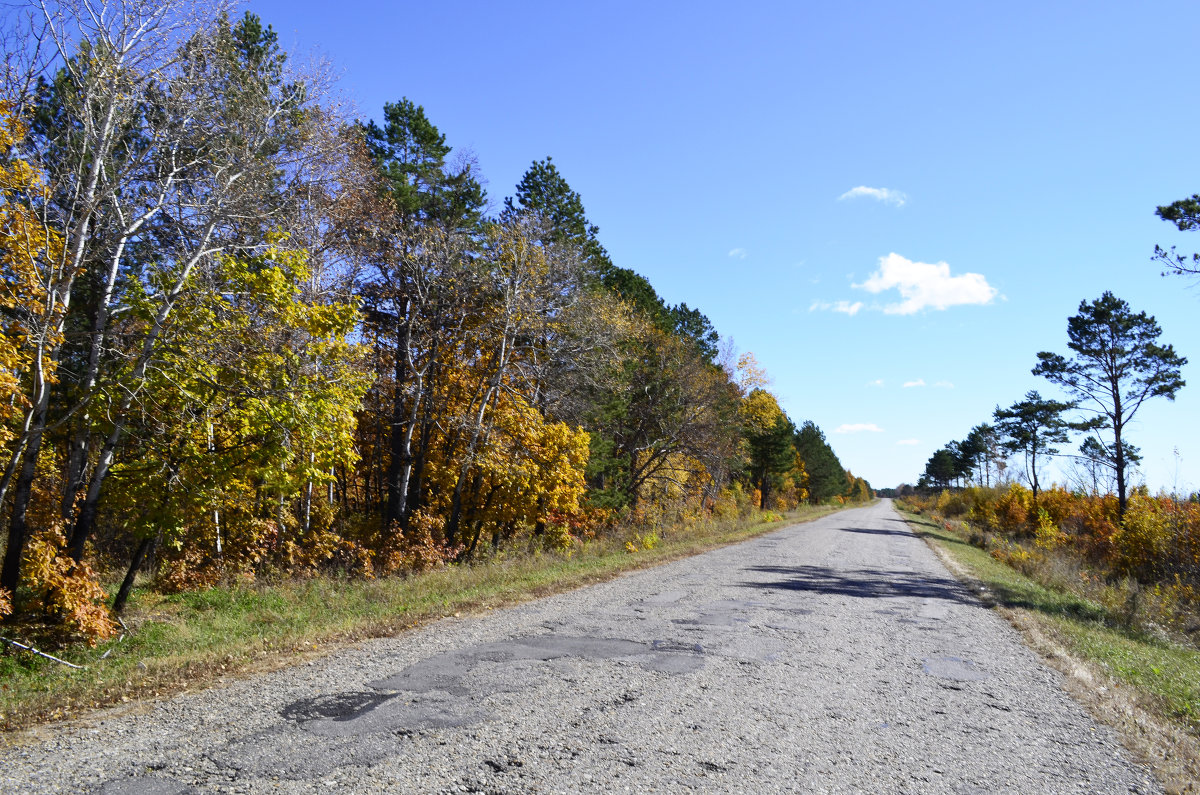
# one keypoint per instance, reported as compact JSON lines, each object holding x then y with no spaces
{"x":833,"y":656}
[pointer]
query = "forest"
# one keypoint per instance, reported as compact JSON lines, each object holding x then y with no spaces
{"x":245,"y":336}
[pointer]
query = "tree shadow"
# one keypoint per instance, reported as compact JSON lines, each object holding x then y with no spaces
{"x":862,"y":583}
{"x":871,"y":531}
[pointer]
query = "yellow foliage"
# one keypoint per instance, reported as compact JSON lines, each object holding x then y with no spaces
{"x":557,"y":537}
{"x":5,"y":603}
{"x":1013,"y":555}
{"x":1012,"y":509}
{"x":760,"y":410}
{"x":648,"y":541}
{"x":1144,"y":537}
{"x":749,"y":375}
{"x":29,"y":253}
{"x":1048,"y":535}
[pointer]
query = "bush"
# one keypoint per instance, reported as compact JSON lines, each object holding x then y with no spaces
{"x":1012,"y":510}
{"x":64,"y":593}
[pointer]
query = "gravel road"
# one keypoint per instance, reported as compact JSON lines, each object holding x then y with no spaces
{"x":833,"y":656}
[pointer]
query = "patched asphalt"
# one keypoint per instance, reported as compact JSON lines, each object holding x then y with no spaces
{"x":833,"y":656}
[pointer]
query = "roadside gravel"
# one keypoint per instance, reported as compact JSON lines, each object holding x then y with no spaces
{"x":833,"y":656}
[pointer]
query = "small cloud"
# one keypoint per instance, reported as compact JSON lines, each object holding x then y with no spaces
{"x":737,"y":253}
{"x":858,"y":427}
{"x":876,"y":382}
{"x":885,"y":195}
{"x":909,"y":442}
{"x":923,"y":285}
{"x":944,"y":385}
{"x":918,"y":382}
{"x":845,"y":307}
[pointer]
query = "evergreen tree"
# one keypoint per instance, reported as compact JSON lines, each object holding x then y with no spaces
{"x":771,"y":456}
{"x":543,"y":191}
{"x":942,"y":468}
{"x":827,"y":477}
{"x":1032,"y":427}
{"x":1117,"y":366}
{"x":411,"y":155}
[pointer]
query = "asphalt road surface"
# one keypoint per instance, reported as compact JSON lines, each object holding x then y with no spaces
{"x":834,"y":656}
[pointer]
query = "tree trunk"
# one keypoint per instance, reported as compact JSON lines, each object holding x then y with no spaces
{"x":400,"y":434}
{"x":134,"y":564}
{"x":18,"y":529}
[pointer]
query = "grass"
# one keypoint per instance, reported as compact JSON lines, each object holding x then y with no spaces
{"x":1160,"y":677}
{"x":190,"y":640}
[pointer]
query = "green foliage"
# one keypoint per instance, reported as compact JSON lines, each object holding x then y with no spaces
{"x":772,"y":455}
{"x":827,"y":477}
{"x":1185,"y":214}
{"x":1032,"y":427}
{"x":1117,"y":366}
{"x":941,"y":468}
{"x":411,"y":155}
{"x":283,"y":345}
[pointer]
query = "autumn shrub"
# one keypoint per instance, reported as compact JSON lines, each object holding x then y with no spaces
{"x":201,"y":555}
{"x":1093,"y":525}
{"x":1015,"y":555}
{"x":557,"y":537}
{"x":983,"y":516}
{"x":1183,"y":553}
{"x":952,"y":505}
{"x":184,"y":568}
{"x":5,"y":603}
{"x":63,"y":593}
{"x":1047,"y":534}
{"x":1057,"y":503}
{"x":421,"y":547}
{"x":648,"y":541}
{"x":1013,"y":509}
{"x":584,"y":524}
{"x":1142,"y":543}
{"x":323,"y":550}
{"x":728,"y":503}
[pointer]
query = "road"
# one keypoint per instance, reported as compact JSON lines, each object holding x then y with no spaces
{"x":833,"y":656}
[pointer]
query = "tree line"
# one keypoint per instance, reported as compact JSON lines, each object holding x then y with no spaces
{"x":242,"y":332}
{"x":1116,"y":364}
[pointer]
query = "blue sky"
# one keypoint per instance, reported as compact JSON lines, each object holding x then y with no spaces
{"x":719,"y":149}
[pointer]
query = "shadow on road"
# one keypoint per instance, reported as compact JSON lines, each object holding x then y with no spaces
{"x":872,"y":531}
{"x":863,"y":583}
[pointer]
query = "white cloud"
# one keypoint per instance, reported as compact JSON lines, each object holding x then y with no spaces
{"x":944,"y":385}
{"x":737,"y":253}
{"x":876,"y":382}
{"x":885,"y":195}
{"x":909,"y":442}
{"x":918,"y":382}
{"x":858,"y":427}
{"x":926,"y":286}
{"x":845,"y":307}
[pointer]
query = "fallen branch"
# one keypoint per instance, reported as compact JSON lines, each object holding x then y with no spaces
{"x":43,"y":654}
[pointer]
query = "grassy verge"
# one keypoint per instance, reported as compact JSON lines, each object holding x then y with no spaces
{"x":1147,"y":686}
{"x":190,"y":640}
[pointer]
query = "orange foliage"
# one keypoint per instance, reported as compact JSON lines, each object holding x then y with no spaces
{"x":63,"y":591}
{"x":1012,"y":510}
{"x":421,"y":548}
